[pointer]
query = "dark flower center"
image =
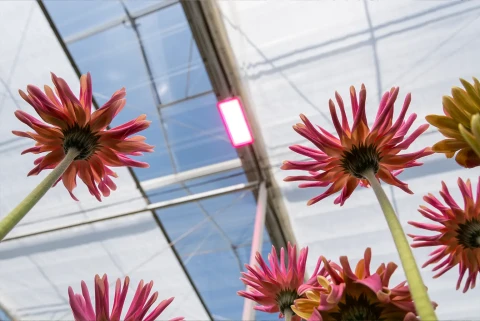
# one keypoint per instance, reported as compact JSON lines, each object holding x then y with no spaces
{"x":285,"y":299}
{"x":82,"y":139}
{"x":360,"y":159}
{"x":468,"y":234}
{"x":357,"y":309}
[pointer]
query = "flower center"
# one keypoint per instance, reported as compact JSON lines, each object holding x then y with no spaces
{"x":468,"y":234}
{"x":360,"y":159}
{"x":357,"y":309}
{"x":82,"y":139}
{"x":285,"y":299}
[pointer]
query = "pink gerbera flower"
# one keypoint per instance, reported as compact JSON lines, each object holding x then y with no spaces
{"x":341,"y":162}
{"x":70,"y":124}
{"x":275,"y":288}
{"x":458,"y":238}
{"x":83,"y":310}
{"x":361,"y":294}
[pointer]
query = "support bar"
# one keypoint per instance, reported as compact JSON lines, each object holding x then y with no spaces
{"x":257,"y":242}
{"x":150,"y":207}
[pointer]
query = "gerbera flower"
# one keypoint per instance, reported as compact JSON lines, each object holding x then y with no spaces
{"x":458,"y":238}
{"x":459,"y":110}
{"x":82,"y":308}
{"x":275,"y":288}
{"x":342,"y":161}
{"x":359,"y":295}
{"x":70,"y":125}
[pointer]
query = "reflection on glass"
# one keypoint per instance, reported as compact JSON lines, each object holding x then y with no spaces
{"x":196,"y":133}
{"x":135,"y":5}
{"x":176,"y":64}
{"x":74,"y":16}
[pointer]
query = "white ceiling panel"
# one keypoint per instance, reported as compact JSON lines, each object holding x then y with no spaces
{"x":308,"y":50}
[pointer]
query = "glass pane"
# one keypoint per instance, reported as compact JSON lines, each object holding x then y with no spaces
{"x":82,"y":15}
{"x":196,"y":133}
{"x":135,"y":5}
{"x":198,"y":79}
{"x":173,"y":55}
{"x":166,"y":193}
{"x":215,"y":181}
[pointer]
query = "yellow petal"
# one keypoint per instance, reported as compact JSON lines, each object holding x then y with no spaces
{"x":313,"y":296}
{"x":475,"y":127}
{"x":451,"y":133}
{"x":448,"y":146}
{"x":470,"y":138}
{"x":464,"y":102}
{"x":455,"y":112}
{"x":467,"y":158}
{"x":323,"y":282}
{"x":476,"y":84}
{"x":471,"y":92}
{"x":300,"y":313}
{"x":304,"y":307}
{"x":442,"y":121}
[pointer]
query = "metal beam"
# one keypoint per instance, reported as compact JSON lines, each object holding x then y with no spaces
{"x":10,"y":316}
{"x":213,"y":44}
{"x":257,"y":242}
{"x":118,"y":21}
{"x":205,"y":93}
{"x":149,"y":207}
{"x":182,"y":177}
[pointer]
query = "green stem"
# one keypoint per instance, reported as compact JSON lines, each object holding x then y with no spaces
{"x":423,"y":305}
{"x":288,"y":314}
{"x":19,"y":212}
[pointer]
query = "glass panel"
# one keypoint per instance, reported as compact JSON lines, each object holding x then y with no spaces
{"x":196,"y":133}
{"x":135,"y":5}
{"x":74,"y":16}
{"x":198,"y":79}
{"x":197,"y":185}
{"x":166,"y":193}
{"x":173,"y":55}
{"x":203,"y":184}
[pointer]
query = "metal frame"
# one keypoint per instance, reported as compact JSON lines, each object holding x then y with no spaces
{"x":116,"y":22}
{"x":150,"y":207}
{"x":214,"y":47}
{"x":7,"y":313}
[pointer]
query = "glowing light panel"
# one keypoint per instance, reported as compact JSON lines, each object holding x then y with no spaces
{"x":235,"y":121}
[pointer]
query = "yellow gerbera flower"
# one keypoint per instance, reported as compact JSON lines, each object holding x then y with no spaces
{"x":460,"y":124}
